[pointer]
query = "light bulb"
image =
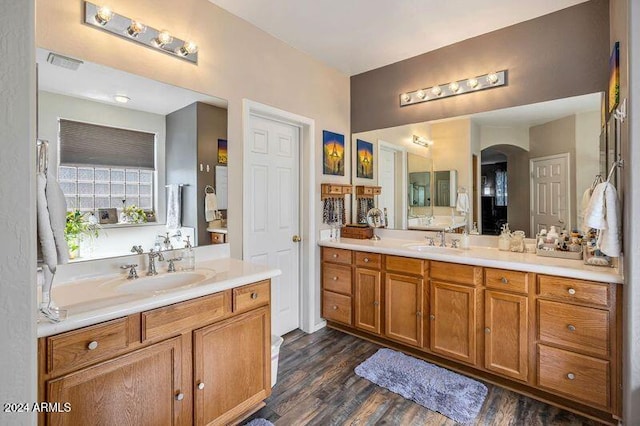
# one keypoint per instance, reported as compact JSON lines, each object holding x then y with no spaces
{"x":421,"y":94}
{"x":436,"y":90}
{"x":103,"y":15}
{"x":163,"y":38}
{"x":454,"y":86}
{"x":472,"y":83}
{"x":406,"y":97}
{"x":136,"y":28}
{"x":492,"y":78}
{"x":187,"y":48}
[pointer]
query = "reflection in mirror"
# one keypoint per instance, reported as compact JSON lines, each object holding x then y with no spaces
{"x":114,"y":147}
{"x":420,"y":189}
{"x":536,"y":161}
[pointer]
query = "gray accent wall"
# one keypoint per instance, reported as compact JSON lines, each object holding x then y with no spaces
{"x":555,"y":56}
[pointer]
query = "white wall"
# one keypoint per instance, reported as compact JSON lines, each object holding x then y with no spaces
{"x":53,"y":106}
{"x":587,"y":155}
{"x":495,"y":135}
{"x":17,"y":209}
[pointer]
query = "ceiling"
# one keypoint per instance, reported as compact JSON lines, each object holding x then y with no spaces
{"x":354,"y":36}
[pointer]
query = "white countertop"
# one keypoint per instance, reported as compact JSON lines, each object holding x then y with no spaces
{"x":93,"y":300}
{"x":483,"y":256}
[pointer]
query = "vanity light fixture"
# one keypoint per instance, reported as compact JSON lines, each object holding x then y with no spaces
{"x":422,"y":141}
{"x":458,"y":87}
{"x":104,"y":18}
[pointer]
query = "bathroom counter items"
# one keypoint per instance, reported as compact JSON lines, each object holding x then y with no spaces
{"x":101,"y":298}
{"x":480,"y":256}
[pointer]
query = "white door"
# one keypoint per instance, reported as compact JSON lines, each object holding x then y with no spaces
{"x":550,"y":194}
{"x":273,"y":162}
{"x":387,"y":182}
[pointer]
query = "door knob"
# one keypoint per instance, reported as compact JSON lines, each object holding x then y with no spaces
{"x":296,"y":239}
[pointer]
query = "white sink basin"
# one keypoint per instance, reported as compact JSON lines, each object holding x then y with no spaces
{"x":433,"y":249}
{"x":165,"y":282}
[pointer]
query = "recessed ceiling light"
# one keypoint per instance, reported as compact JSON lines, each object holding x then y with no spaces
{"x":121,"y":99}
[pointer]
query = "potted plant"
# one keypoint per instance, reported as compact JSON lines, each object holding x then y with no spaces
{"x":133,"y":214}
{"x":78,"y":226}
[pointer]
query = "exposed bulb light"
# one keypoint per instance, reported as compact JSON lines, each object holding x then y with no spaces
{"x":454,"y":86}
{"x":103,"y":15}
{"x":492,"y":78}
{"x":422,"y":141}
{"x":122,"y":99}
{"x":406,"y":97}
{"x":164,"y":37}
{"x":472,"y":83}
{"x":436,"y":90}
{"x":136,"y":28}
{"x":421,"y":94}
{"x":187,"y":48}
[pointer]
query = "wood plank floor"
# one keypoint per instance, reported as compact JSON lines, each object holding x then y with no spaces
{"x":317,"y":386}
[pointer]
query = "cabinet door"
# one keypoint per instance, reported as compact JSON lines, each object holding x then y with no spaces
{"x":506,"y":334}
{"x":453,"y":321}
{"x":139,"y":388}
{"x":368,"y":300}
{"x":232,"y":367}
{"x":403,"y":309}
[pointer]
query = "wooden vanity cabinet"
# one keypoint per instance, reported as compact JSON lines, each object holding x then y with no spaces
{"x":201,"y":361}
{"x":368,"y":292}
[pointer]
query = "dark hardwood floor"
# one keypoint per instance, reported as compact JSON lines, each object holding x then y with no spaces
{"x":317,"y":386}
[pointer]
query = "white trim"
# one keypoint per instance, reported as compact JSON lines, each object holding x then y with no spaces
{"x":567,"y":157}
{"x":309,"y":261}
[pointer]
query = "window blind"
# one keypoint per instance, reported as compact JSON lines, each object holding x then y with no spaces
{"x":90,"y":144}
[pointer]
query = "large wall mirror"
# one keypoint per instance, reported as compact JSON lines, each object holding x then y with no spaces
{"x":527,"y":166}
{"x":117,"y":140}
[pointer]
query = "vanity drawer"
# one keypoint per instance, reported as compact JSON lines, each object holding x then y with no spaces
{"x":502,"y":279}
{"x":405,"y":265}
{"x":573,"y":375}
{"x":574,"y":290}
{"x":173,"y":319}
{"x":218,"y":238}
{"x":454,"y":272}
{"x":336,"y":307}
{"x":336,"y":278}
{"x":576,"y":327}
{"x":90,"y":344}
{"x":251,"y":296}
{"x":368,"y":260}
{"x":330,"y":254}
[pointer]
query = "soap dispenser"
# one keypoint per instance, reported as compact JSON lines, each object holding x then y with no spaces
{"x":504,"y":240}
{"x":188,"y":256}
{"x":464,"y":240}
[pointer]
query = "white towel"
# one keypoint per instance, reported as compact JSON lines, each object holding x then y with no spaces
{"x":45,"y":233}
{"x":584,"y":203}
{"x":602,"y":214}
{"x":210,"y":206}
{"x":174,"y":203}
{"x":462,"y":204}
{"x":57,"y":207}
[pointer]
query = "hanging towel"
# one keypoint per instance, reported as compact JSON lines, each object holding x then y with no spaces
{"x":584,"y":203}
{"x":602,"y":214}
{"x":45,"y":233}
{"x":462,"y":204}
{"x":174,"y":203}
{"x":210,"y":206}
{"x":57,"y":207}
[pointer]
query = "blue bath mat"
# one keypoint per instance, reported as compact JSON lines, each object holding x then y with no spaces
{"x":259,"y":422}
{"x":453,"y":395}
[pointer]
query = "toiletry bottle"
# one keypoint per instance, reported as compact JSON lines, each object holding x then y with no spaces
{"x":188,"y":256}
{"x":504,"y":240}
{"x":464,"y":240}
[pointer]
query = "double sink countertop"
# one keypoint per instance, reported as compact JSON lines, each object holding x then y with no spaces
{"x":103,"y":297}
{"x":489,"y":257}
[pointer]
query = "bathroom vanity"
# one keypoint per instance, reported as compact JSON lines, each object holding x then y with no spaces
{"x":546,"y":328}
{"x":198,"y":354}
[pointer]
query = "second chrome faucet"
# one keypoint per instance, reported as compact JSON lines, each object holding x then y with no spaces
{"x":152,"y":261}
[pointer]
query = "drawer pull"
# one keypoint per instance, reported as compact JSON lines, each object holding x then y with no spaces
{"x":571,"y":376}
{"x":254,"y":295}
{"x":335,"y":255}
{"x":571,"y":327}
{"x":201,"y":385}
{"x":92,"y":345}
{"x":180,"y":396}
{"x":335,"y":308}
{"x":432,"y":317}
{"x":503,"y":280}
{"x":366,"y":260}
{"x":572,"y":291}
{"x":487,"y":330}
{"x":335,"y":278}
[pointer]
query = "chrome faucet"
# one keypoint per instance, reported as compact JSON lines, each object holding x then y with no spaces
{"x":152,"y":261}
{"x":172,"y":266}
{"x":133,"y":274}
{"x":442,"y":238}
{"x":430,"y":241}
{"x":137,"y":249}
{"x":166,"y":240}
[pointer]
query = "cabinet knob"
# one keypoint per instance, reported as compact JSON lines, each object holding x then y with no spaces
{"x":503,"y":280}
{"x":366,"y":260}
{"x":254,"y":295}
{"x":571,"y":376}
{"x":335,"y":308}
{"x":432,"y":317}
{"x":487,"y":330}
{"x":335,"y":255}
{"x":571,"y":291}
{"x":376,"y":303}
{"x":335,"y":278}
{"x":201,"y":385}
{"x":571,"y":327}
{"x":180,"y":396}
{"x":92,"y":345}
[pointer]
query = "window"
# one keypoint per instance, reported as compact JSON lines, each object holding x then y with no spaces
{"x":105,"y":167}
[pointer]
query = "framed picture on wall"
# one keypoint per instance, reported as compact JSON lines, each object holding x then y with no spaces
{"x":222,"y":151}
{"x":364,"y":162}
{"x":332,"y":153}
{"x":614,"y":77}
